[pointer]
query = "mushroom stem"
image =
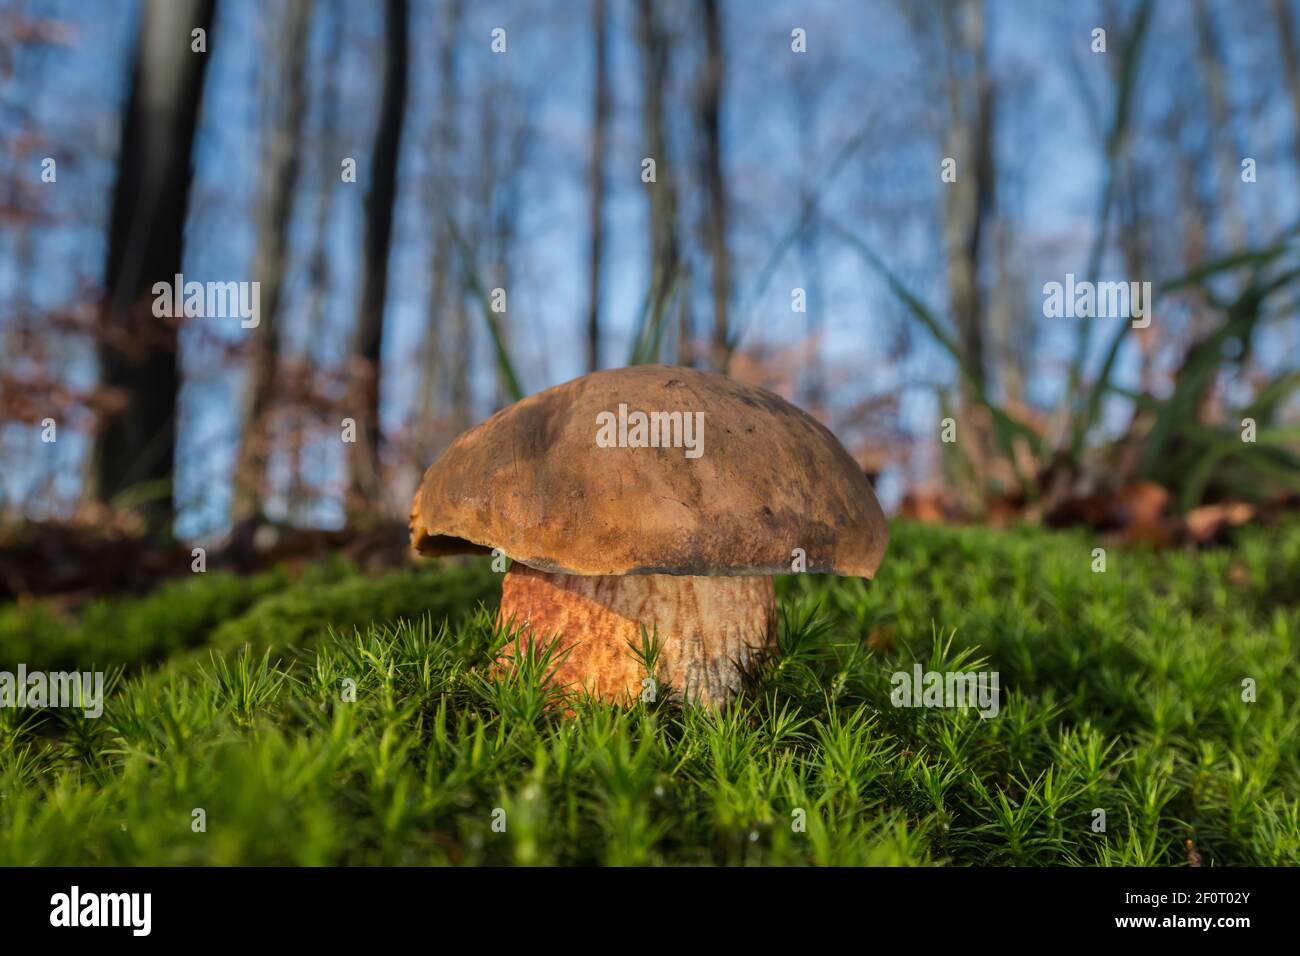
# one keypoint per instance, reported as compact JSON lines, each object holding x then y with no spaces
{"x":709,"y":629}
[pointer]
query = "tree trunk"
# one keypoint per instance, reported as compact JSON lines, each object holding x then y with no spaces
{"x":664,"y":250}
{"x":1290,"y":62}
{"x":306,"y":408}
{"x":273,"y":211}
{"x":710,"y":123}
{"x":810,"y":257}
{"x":1227,"y":153}
{"x":967,"y":209}
{"x":365,"y":467}
{"x":138,"y":354}
{"x":599,"y":123}
{"x":968,"y":201}
{"x":443,"y":367}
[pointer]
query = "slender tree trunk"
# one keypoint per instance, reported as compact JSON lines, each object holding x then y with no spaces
{"x":810,"y":251}
{"x":664,"y":250}
{"x":968,"y":201}
{"x":138,"y":353}
{"x":710,"y":122}
{"x":1286,"y":38}
{"x":461,"y":399}
{"x":599,"y":123}
{"x":1225,"y":153}
{"x":494,"y":246}
{"x":300,"y":494}
{"x":686,"y":317}
{"x":381,"y":197}
{"x":1010,"y":341}
{"x":274,"y":208}
{"x":1131,"y":217}
{"x":439,"y":364}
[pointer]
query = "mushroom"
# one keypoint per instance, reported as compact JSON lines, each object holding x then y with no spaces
{"x":651,"y":497}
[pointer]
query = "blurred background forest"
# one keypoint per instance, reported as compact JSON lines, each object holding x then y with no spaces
{"x":799,"y":233}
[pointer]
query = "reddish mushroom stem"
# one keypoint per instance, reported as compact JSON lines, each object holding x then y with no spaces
{"x":709,"y":629}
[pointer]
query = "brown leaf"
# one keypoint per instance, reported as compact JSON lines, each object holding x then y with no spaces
{"x":1141,"y":503}
{"x":922,"y":506}
{"x":1206,"y":522}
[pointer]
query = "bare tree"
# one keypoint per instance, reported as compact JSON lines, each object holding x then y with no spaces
{"x":381,"y":197}
{"x":305,"y":409}
{"x":1219,"y":124}
{"x":968,"y":138}
{"x":810,"y":248}
{"x":504,"y":140}
{"x":137,"y":353}
{"x":596,"y":214}
{"x":1286,"y":38}
{"x":281,"y":164}
{"x":954,"y":39}
{"x":444,"y":359}
{"x":665,"y":252}
{"x":710,"y":126}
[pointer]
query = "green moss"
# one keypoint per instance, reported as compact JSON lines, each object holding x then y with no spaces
{"x":138,"y":630}
{"x":1121,"y":692}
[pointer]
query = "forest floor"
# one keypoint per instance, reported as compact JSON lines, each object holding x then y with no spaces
{"x":1148,"y":715}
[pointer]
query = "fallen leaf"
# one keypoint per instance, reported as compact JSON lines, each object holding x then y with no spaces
{"x":1205,"y":522}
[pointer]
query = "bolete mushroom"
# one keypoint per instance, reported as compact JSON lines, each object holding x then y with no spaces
{"x":655,"y":497}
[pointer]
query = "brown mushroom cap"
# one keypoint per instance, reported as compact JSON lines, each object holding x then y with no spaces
{"x":533,"y":482}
